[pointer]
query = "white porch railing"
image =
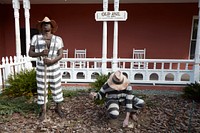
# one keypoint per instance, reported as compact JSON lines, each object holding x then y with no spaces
{"x":156,"y":71}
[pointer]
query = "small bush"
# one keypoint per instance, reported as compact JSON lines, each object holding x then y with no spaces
{"x":100,"y":80}
{"x":96,"y":86}
{"x":21,"y":84}
{"x":192,"y":91}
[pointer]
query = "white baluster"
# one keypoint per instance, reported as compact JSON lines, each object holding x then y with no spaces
{"x":186,"y":66}
{"x":28,"y":64}
{"x":15,"y":64}
{"x":22,"y":63}
{"x":11,"y":65}
{"x":3,"y":70}
{"x":1,"y":81}
{"x":19,"y":65}
{"x":154,"y":65}
{"x":3,"y":61}
{"x":7,"y":68}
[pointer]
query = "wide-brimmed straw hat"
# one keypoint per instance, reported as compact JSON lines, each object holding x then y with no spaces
{"x":46,"y":20}
{"x":118,"y":81}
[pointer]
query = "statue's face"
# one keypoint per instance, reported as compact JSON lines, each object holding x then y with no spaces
{"x":46,"y":26}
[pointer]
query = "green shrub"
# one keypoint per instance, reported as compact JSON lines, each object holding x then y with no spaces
{"x":70,"y":93}
{"x":96,"y":86}
{"x":21,"y":84}
{"x":192,"y":91}
{"x":8,"y":106}
{"x":100,"y":80}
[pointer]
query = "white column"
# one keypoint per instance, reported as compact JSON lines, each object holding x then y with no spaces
{"x":16,"y":7}
{"x":26,"y":5}
{"x":104,"y":42}
{"x":197,"y":53}
{"x":115,"y":39}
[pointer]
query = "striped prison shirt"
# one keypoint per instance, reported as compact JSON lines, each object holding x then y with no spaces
{"x":53,"y":71}
{"x":122,"y":96}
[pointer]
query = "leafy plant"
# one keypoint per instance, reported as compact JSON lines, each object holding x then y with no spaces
{"x":96,"y":86}
{"x":21,"y":84}
{"x":100,"y":80}
{"x":69,"y":93}
{"x":8,"y":106}
{"x":192,"y":91}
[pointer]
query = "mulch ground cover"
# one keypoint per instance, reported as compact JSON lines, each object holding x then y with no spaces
{"x":161,"y":114}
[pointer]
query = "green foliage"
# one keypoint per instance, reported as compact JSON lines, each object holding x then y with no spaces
{"x":100,"y":80}
{"x":8,"y":106}
{"x":22,"y":105}
{"x":21,"y":84}
{"x":69,"y":93}
{"x":96,"y":86}
{"x":100,"y":102}
{"x":192,"y":91}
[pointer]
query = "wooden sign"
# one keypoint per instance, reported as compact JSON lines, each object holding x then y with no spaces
{"x":111,"y":16}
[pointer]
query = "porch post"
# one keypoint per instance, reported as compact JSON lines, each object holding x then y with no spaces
{"x":26,"y":5}
{"x":104,"y":47}
{"x":115,"y":38}
{"x":16,"y":7}
{"x":197,"y":52}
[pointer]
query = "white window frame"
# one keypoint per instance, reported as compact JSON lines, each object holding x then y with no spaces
{"x":191,"y":39}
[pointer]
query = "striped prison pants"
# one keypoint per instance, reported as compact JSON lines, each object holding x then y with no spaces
{"x":112,"y":106}
{"x":53,"y":79}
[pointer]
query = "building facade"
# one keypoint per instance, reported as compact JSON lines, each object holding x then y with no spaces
{"x":164,"y":29}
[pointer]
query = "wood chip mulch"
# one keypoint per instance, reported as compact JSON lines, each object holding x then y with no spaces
{"x":161,"y":114}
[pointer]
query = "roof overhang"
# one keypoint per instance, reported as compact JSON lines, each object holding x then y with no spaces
{"x":100,"y":1}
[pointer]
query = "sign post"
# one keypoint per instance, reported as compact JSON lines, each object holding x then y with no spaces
{"x":104,"y":40}
{"x":115,"y":16}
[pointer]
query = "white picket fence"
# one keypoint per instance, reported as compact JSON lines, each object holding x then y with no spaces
{"x":156,"y":71}
{"x":12,"y":65}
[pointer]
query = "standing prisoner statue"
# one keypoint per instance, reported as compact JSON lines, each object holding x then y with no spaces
{"x":48,"y":48}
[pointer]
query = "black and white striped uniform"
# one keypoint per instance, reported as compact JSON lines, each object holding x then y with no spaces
{"x":53,"y":71}
{"x":115,"y":98}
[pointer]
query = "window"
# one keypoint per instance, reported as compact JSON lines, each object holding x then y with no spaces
{"x":23,"y":38}
{"x":193,"y":37}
